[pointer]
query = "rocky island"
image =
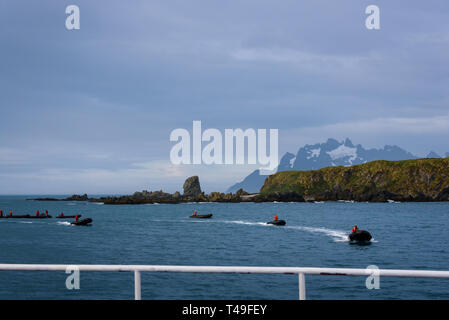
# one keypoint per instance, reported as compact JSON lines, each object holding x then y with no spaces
{"x":75,"y":197}
{"x":376,"y":181}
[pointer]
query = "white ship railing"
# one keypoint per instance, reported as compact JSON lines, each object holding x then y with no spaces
{"x":300,"y":271}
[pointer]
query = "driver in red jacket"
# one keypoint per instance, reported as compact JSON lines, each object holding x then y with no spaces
{"x":355,"y":228}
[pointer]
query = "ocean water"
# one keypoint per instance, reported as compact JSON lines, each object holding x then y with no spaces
{"x":406,"y":236}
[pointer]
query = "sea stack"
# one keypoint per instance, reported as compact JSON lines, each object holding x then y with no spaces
{"x":192,"y":187}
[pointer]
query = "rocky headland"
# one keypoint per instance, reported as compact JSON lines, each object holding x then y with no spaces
{"x":376,"y":181}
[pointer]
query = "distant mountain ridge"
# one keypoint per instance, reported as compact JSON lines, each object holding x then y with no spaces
{"x":328,"y":154}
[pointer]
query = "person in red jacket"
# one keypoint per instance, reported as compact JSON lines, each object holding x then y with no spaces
{"x":46,"y":212}
{"x":275,"y":217}
{"x":37,"y":213}
{"x":194,"y":213}
{"x":1,"y":213}
{"x":10,"y":213}
{"x":355,"y":228}
{"x":76,"y":218}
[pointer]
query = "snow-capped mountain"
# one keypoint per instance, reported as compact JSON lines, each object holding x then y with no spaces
{"x":433,"y":154}
{"x":327,"y":154}
{"x":344,"y":153}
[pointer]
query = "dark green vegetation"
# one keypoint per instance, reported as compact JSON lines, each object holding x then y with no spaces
{"x":377,"y":181}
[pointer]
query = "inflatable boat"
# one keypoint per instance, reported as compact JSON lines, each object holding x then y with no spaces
{"x":66,"y":217}
{"x":26,"y":216}
{"x":84,"y":222}
{"x":360,"y":236}
{"x":202,"y":216}
{"x":277,"y":222}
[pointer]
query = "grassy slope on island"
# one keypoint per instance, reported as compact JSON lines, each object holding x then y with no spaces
{"x":407,"y":180}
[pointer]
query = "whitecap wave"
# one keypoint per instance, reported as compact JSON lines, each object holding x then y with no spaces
{"x":392,"y":201}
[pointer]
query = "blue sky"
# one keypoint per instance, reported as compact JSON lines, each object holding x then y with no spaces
{"x":91,"y":110}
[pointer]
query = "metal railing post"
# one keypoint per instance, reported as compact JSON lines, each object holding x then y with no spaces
{"x":302,"y":286}
{"x":137,"y":286}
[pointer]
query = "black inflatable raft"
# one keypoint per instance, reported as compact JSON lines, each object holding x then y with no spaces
{"x":66,"y":217}
{"x":360,"y":236}
{"x":202,"y":216}
{"x":278,"y":222}
{"x":26,"y":216}
{"x":84,"y":222}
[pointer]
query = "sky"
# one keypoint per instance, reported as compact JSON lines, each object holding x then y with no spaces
{"x":91,"y":110}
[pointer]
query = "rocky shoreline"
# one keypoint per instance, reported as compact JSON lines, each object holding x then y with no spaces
{"x":192,"y":193}
{"x":422,"y":180}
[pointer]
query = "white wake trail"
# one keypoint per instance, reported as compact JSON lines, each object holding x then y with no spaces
{"x":336,"y":235}
{"x":248,"y":223}
{"x":64,"y":223}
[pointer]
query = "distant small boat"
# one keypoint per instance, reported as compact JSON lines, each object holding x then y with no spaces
{"x":84,"y":222}
{"x":202,"y":216}
{"x":277,"y":222}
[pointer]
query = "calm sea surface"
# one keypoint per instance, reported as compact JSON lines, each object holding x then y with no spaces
{"x":406,"y":236}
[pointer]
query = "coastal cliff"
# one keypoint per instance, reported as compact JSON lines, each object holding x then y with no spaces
{"x":376,"y":181}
